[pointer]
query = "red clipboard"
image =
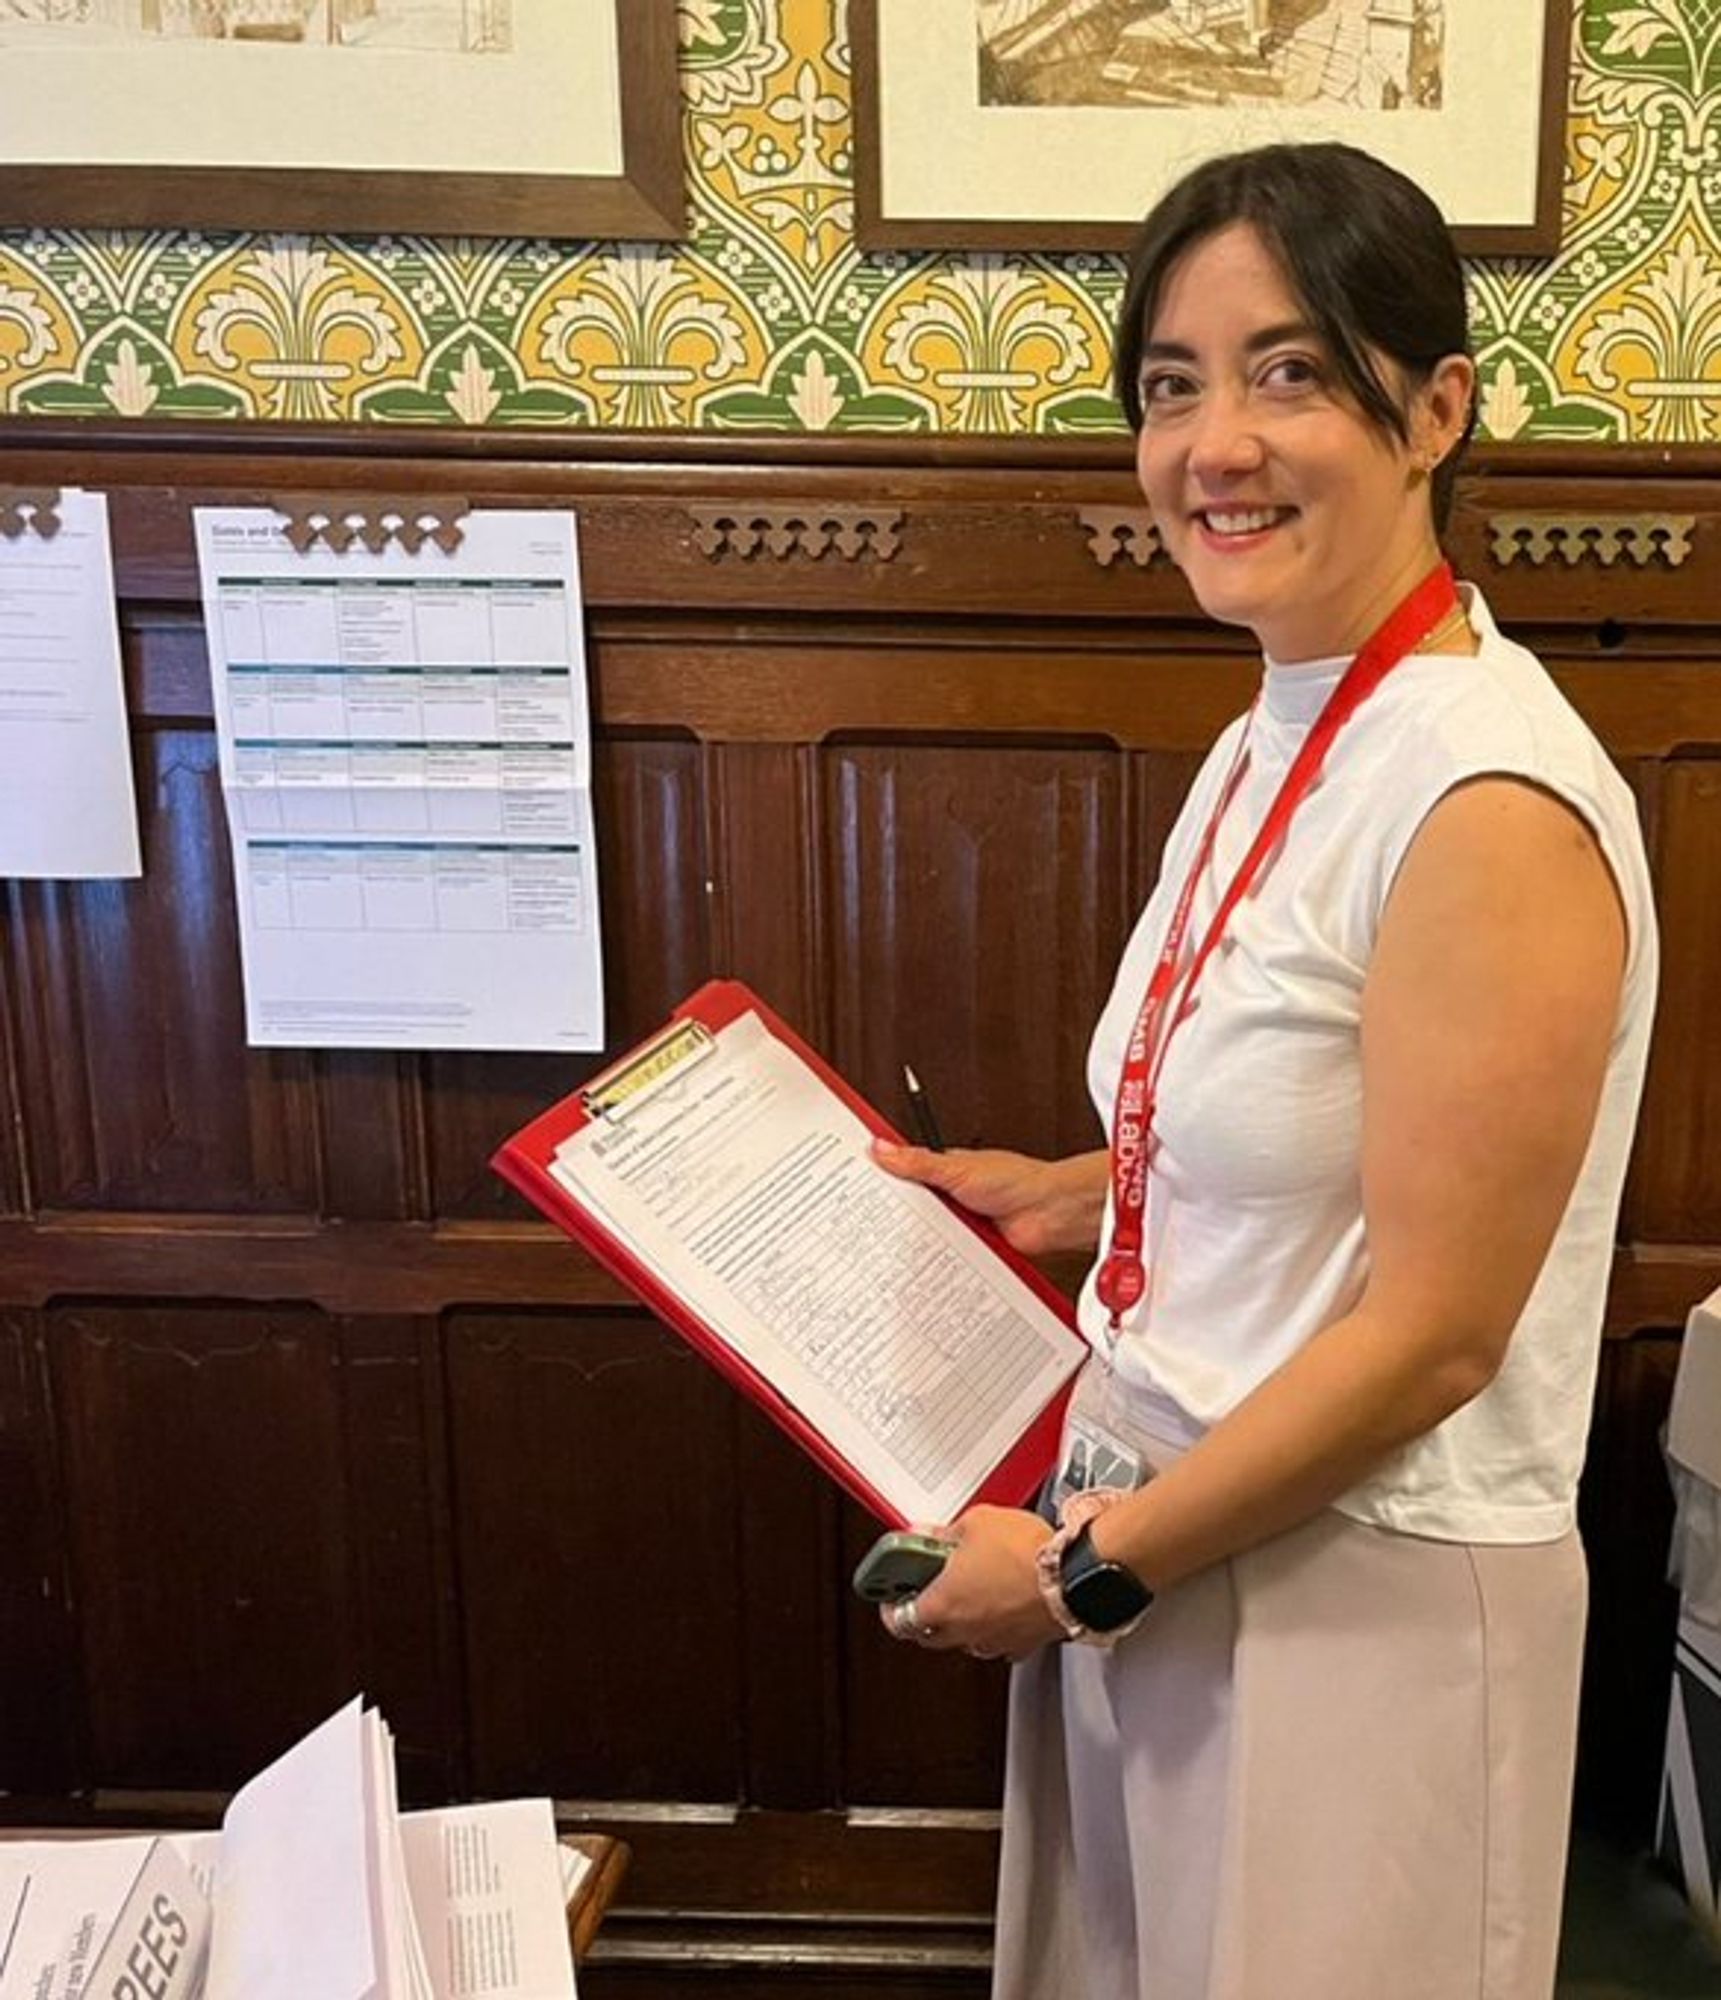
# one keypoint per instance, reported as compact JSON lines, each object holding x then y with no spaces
{"x":524,"y":1162}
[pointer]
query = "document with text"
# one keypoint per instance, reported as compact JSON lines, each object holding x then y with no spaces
{"x":81,"y":1919}
{"x":405,"y":746}
{"x":316,"y":1885}
{"x":67,"y":805}
{"x":729,"y":1181}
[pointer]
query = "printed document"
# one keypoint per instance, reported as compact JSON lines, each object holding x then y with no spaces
{"x":490,"y":1888}
{"x":406,"y":755}
{"x":79,"y":1919}
{"x":316,"y":1885}
{"x":741,"y":1180}
{"x":67,"y":807}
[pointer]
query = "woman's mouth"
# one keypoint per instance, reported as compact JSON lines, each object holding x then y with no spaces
{"x":1237,"y":527}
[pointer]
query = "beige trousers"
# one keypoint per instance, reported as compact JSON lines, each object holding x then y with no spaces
{"x":1335,"y":1768}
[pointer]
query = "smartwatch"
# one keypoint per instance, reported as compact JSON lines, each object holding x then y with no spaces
{"x":1102,"y":1596}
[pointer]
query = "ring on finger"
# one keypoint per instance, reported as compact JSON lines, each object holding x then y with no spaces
{"x":910,"y":1623}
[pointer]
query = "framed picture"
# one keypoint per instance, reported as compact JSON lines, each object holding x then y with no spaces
{"x":446,"y":117}
{"x":1055,"y":124}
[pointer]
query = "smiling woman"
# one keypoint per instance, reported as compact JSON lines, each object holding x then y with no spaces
{"x":1275,"y":491}
{"x":1370,"y":1068}
{"x":1287,"y":431}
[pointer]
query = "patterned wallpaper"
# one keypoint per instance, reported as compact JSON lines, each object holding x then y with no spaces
{"x":769,"y":319}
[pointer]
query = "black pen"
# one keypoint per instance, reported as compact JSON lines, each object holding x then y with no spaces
{"x":920,"y":1112}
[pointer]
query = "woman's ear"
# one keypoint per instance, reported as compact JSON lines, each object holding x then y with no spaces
{"x":1443,"y":409}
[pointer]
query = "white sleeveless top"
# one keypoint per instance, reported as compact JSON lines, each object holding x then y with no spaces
{"x":1255,"y":1237}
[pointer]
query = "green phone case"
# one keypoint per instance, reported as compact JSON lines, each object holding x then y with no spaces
{"x":898,"y":1565}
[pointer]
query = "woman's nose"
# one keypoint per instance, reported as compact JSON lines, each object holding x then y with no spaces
{"x":1226,"y":440}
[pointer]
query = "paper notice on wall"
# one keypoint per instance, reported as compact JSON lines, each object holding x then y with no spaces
{"x":67,"y":808}
{"x":405,"y":750}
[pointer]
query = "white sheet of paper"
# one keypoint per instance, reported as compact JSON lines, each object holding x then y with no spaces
{"x":405,"y":748}
{"x":73,"y":1911}
{"x":408,"y":1969}
{"x":487,"y":1887}
{"x":67,"y":806}
{"x":295,"y":1889}
{"x":320,"y":1885}
{"x":914,"y":1349}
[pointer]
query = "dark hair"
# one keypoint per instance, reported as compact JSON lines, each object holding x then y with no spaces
{"x":1366,"y":251}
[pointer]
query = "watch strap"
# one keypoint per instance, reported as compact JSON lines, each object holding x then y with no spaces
{"x":1076,"y":1513}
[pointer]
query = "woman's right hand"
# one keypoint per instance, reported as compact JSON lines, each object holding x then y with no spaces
{"x":1039,"y":1206}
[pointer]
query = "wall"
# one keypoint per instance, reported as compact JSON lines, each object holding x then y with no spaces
{"x":295,"y":1397}
{"x":770,"y":319}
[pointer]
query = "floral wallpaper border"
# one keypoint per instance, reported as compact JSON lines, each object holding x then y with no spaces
{"x":770,"y":319}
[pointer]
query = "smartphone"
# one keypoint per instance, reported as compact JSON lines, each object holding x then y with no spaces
{"x":898,"y":1565}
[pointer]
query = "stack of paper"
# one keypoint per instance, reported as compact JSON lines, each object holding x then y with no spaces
{"x":316,"y":1885}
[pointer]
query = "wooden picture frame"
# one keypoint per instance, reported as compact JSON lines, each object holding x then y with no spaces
{"x":904,"y":48}
{"x":645,"y":201}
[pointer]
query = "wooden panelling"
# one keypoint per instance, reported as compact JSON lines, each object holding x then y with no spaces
{"x":792,"y":1664}
{"x":594,"y":1460}
{"x":126,"y":987}
{"x":294,"y":1397}
{"x":14,"y":1196}
{"x":396,"y":1499}
{"x":975,"y":910}
{"x":1158,"y":785}
{"x":210,"y":1534}
{"x":1677,"y":1183}
{"x":766,"y":911}
{"x":818,"y":682}
{"x":371,"y":1137}
{"x":38,"y":1644}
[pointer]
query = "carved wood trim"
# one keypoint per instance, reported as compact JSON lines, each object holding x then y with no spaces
{"x":812,"y":530}
{"x":1115,"y":531}
{"x":1601,"y":538}
{"x":340,"y":519}
{"x":25,"y":508}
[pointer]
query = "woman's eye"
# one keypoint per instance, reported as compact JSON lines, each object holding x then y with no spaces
{"x":1291,"y":371}
{"x":1164,"y":387}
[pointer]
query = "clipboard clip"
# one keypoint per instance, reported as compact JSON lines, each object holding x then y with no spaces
{"x":665,"y":1059}
{"x":372,"y":520}
{"x":29,"y":510}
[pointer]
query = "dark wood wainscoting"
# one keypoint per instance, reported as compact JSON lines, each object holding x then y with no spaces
{"x":296,"y":1399}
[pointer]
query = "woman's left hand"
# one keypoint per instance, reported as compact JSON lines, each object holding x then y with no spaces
{"x":986,"y":1600}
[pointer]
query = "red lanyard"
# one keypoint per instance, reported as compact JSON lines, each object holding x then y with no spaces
{"x":1122,"y":1280}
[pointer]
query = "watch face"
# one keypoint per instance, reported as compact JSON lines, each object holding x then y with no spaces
{"x":1103,"y":1595}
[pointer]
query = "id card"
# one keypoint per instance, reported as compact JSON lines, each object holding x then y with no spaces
{"x":1095,"y":1457}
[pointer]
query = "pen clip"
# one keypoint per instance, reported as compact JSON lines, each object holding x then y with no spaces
{"x":920,"y":1111}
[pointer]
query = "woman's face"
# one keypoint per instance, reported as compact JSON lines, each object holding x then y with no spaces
{"x":1287,"y":508}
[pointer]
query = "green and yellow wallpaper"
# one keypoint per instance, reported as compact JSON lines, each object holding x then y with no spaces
{"x":769,"y":319}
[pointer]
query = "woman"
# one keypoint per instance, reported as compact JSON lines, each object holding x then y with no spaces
{"x":1370,"y":1070}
